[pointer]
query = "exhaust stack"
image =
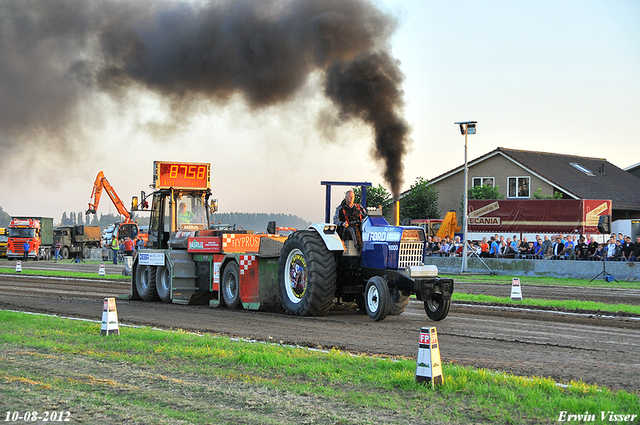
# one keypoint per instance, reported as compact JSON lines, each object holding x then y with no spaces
{"x":396,"y":213}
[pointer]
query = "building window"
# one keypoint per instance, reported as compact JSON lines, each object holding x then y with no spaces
{"x":518,"y":187}
{"x":483,"y":181}
{"x":583,"y":169}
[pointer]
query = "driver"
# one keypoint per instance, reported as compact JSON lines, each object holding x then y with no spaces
{"x":348,"y":218}
{"x":184,"y":215}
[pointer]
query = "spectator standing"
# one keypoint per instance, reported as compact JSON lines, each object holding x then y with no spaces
{"x":128,"y":247}
{"x":558,"y":247}
{"x":582,"y":250}
{"x":547,"y":247}
{"x":515,"y":243}
{"x":627,"y":249}
{"x":445,"y":247}
{"x":523,"y":248}
{"x":26,"y":247}
{"x":610,"y":249}
{"x":568,"y":248}
{"x":484,"y":248}
{"x":114,"y":249}
{"x":593,"y":246}
{"x":139,"y":244}
{"x":636,"y":249}
{"x":57,"y":250}
{"x":494,"y":248}
{"x":600,"y":252}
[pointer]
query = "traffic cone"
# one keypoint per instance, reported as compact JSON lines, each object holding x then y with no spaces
{"x":516,"y":290}
{"x":429,"y":365}
{"x":101,"y":271}
{"x":109,"y":318}
{"x":18,"y":266}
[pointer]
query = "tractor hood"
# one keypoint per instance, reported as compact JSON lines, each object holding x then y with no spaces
{"x":391,"y":247}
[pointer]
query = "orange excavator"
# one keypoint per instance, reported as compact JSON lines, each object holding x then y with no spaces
{"x":128,"y":228}
{"x":449,"y":225}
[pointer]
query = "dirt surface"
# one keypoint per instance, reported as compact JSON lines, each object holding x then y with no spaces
{"x":594,"y":348}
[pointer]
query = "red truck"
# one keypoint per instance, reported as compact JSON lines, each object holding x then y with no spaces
{"x":38,"y":231}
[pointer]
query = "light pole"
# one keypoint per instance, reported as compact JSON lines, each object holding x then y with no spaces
{"x":466,"y":127}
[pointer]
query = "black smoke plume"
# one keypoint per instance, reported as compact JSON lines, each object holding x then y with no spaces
{"x":55,"y":54}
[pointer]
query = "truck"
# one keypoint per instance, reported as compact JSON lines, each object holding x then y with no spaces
{"x":77,"y":241}
{"x":189,"y":262}
{"x":3,"y":242}
{"x":38,"y":231}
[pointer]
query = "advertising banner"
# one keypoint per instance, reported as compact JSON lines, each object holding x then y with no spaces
{"x":537,"y":215}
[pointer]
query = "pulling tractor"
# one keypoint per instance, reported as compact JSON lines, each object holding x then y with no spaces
{"x":317,"y":267}
{"x":189,"y":262}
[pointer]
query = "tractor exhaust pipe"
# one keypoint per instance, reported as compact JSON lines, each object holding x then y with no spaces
{"x":396,"y":213}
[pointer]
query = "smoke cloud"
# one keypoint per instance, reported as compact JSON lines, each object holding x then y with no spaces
{"x":56,"y":54}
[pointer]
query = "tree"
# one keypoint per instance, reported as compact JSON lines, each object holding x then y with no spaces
{"x":485,"y":191}
{"x":421,"y":201}
{"x":376,"y":196}
{"x":538,"y":195}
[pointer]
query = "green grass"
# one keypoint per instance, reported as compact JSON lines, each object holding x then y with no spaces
{"x":551,"y":281}
{"x":175,"y":377}
{"x":64,"y":273}
{"x":561,"y":304}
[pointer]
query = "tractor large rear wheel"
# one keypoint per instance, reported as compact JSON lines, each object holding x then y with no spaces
{"x":306,"y":275}
{"x":398,"y":302}
{"x":437,"y":307}
{"x":146,"y":283}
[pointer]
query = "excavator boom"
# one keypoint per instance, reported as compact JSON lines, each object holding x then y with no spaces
{"x":100,"y":184}
{"x":449,"y":225}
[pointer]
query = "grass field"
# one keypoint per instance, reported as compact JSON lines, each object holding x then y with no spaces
{"x":149,"y":376}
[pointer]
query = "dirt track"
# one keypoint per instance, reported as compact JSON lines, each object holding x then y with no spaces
{"x":593,"y":348}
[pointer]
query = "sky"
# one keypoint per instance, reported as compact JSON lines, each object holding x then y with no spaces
{"x":553,"y":76}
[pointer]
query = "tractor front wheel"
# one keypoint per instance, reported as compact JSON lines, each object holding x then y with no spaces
{"x":437,"y":307}
{"x":377,"y":298}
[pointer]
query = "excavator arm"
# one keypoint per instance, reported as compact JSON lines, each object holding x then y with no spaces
{"x":449,"y":225}
{"x":100,"y":184}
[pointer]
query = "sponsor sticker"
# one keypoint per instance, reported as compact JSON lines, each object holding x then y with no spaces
{"x":151,"y":258}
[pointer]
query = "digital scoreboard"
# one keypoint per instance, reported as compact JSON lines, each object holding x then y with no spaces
{"x":181,"y":175}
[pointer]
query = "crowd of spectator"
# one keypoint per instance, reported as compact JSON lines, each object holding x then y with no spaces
{"x":556,"y":247}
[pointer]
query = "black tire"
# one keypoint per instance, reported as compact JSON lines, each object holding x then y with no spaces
{"x":377,"y":298}
{"x":230,"y":286}
{"x":398,"y":303}
{"x":64,"y":253}
{"x":163,"y":283}
{"x":437,"y":307}
{"x":306,"y":275}
{"x":146,"y":283}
